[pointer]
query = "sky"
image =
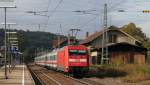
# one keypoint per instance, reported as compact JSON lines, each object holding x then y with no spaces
{"x":63,"y":12}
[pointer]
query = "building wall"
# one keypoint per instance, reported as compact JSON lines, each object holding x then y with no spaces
{"x":127,"y":58}
{"x":124,"y":38}
{"x":121,"y":37}
{"x":139,"y":58}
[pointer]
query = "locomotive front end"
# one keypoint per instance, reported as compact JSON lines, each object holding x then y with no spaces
{"x":78,"y":60}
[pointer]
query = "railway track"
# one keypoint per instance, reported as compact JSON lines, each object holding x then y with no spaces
{"x":84,"y":81}
{"x":49,"y":77}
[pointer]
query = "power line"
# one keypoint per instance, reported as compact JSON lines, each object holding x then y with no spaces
{"x":53,"y":11}
{"x":55,"y":8}
{"x":97,"y":15}
{"x":46,"y":26}
{"x":115,"y":5}
{"x":89,"y":21}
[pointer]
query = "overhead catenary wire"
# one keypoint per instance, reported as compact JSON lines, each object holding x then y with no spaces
{"x":53,"y":11}
{"x":46,"y":25}
{"x":55,"y":8}
{"x":116,"y":5}
{"x":97,"y":15}
{"x":89,"y":21}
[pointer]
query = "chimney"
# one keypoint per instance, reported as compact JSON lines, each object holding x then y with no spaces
{"x":87,"y":34}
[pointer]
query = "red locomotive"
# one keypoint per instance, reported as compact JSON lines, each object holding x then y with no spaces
{"x":72,"y":59}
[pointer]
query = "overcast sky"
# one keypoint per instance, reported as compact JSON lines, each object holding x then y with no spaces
{"x":61,"y":12}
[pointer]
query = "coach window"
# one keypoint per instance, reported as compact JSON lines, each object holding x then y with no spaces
{"x":54,"y":57}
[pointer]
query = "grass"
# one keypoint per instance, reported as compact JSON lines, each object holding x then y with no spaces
{"x":127,"y":72}
{"x":105,"y":71}
{"x":136,"y":73}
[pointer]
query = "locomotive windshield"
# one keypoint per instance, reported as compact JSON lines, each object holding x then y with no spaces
{"x":73,"y":52}
{"x":82,"y":52}
{"x":77,"y":52}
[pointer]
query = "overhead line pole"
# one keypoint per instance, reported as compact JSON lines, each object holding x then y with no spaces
{"x":104,"y":54}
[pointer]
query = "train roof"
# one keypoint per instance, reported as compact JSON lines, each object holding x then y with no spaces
{"x":53,"y":52}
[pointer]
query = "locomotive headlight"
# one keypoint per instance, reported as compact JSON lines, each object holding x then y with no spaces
{"x":83,"y":60}
{"x":77,"y":60}
{"x":72,"y":60}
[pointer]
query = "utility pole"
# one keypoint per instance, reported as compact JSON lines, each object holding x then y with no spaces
{"x":74,"y":34}
{"x":104,"y":54}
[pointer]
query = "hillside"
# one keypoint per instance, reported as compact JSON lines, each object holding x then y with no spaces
{"x":31,"y":42}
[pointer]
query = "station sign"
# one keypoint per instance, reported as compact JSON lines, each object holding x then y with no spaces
{"x":7,"y":3}
{"x":14,"y":49}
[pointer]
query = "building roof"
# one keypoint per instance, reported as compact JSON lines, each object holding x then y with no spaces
{"x":121,"y":43}
{"x":97,"y":34}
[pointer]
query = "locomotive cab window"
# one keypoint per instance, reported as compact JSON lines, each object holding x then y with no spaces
{"x":73,"y":52}
{"x":82,"y":52}
{"x":77,"y":52}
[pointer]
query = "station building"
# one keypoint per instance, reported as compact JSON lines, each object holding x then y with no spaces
{"x":122,"y":47}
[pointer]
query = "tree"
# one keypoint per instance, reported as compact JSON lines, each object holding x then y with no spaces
{"x":134,"y":31}
{"x":29,"y":41}
{"x":137,"y":33}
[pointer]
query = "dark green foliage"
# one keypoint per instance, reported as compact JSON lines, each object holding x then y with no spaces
{"x":31,"y":42}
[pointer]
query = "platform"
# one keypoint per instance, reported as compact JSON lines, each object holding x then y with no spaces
{"x":18,"y":76}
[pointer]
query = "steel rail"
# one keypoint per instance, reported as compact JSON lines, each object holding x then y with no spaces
{"x":83,"y":82}
{"x":55,"y":81}
{"x":36,"y":77}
